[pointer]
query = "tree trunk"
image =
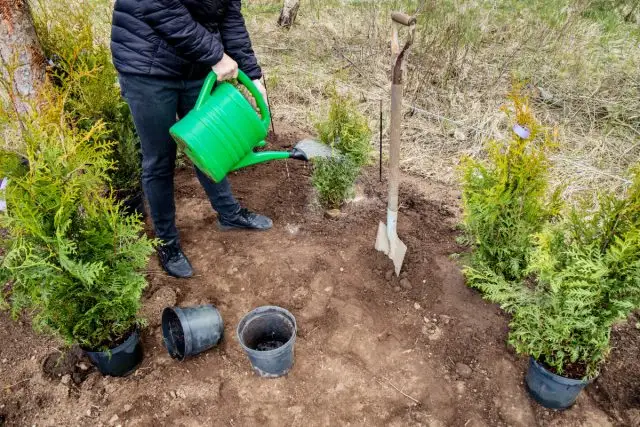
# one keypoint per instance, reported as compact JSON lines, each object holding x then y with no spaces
{"x":22,"y":62}
{"x":288,"y":13}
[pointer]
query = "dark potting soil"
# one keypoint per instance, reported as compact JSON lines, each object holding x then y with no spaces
{"x":72,"y":362}
{"x":269,"y":345}
{"x":111,"y":344}
{"x":574,"y":371}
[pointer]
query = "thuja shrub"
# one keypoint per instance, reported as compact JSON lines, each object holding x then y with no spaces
{"x":73,"y":260}
{"x":81,"y":68}
{"x":505,"y":197}
{"x":566,"y":275}
{"x":587,"y":278}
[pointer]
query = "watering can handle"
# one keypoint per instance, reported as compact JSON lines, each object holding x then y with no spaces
{"x":210,"y":82}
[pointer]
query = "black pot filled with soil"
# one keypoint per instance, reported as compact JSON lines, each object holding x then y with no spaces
{"x":121,"y":360}
{"x":551,"y":390}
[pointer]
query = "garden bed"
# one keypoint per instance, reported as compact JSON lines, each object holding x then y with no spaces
{"x":424,"y":350}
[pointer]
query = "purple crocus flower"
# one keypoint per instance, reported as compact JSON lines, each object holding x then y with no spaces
{"x":522,"y":131}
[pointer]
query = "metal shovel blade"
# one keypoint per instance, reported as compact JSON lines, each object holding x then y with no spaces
{"x":391,"y":246}
{"x":310,"y":149}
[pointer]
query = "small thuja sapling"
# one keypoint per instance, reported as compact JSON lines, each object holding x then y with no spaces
{"x":347,"y":132}
{"x":346,"y":129}
{"x":333,"y":179}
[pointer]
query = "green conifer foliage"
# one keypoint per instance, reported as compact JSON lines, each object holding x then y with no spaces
{"x":73,"y":259}
{"x":588,"y":277}
{"x":566,"y":275}
{"x":505,"y":198}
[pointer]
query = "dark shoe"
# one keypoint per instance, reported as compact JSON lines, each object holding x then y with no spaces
{"x":245,"y":219}
{"x":174,"y":261}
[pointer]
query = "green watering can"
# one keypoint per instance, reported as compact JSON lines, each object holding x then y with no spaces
{"x":221,"y":132}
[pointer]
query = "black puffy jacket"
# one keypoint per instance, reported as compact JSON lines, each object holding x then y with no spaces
{"x":179,"y":38}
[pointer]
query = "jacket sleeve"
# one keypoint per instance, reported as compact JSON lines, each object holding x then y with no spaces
{"x":171,"y":20}
{"x":237,"y":43}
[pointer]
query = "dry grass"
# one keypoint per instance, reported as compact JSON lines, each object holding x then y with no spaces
{"x":583,"y":72}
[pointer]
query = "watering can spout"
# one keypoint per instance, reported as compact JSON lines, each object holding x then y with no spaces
{"x":254,"y":158}
{"x":305,"y":150}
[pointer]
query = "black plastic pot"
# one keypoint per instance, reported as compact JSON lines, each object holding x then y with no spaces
{"x":268,"y":335}
{"x":120,"y":361}
{"x":550,"y":390}
{"x":189,"y":331}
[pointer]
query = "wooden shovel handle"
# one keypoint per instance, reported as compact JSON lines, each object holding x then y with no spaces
{"x":394,"y":146}
{"x":403,"y":18}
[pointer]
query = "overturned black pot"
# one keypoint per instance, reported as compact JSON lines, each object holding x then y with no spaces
{"x":191,"y":330}
{"x":120,"y":361}
{"x":550,"y":390}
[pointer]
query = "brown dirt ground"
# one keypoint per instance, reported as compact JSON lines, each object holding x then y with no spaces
{"x":369,"y":351}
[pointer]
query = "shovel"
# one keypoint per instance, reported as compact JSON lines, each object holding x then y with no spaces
{"x":387,"y":240}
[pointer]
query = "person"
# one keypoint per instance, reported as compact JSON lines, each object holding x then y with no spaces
{"x":163,"y":50}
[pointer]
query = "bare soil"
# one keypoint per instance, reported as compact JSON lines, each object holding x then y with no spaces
{"x":618,"y":388}
{"x":372,"y":349}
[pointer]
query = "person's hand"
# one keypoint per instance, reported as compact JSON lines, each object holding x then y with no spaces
{"x":261,"y":89}
{"x":226,"y":68}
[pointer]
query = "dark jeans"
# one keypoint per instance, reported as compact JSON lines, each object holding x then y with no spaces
{"x":154,"y":103}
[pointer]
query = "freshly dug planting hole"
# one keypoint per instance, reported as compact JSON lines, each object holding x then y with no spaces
{"x":71,"y":362}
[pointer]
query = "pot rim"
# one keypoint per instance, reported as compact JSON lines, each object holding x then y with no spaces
{"x":558,"y":378}
{"x":256,"y":313}
{"x":133,"y":335}
{"x":186,"y":330}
